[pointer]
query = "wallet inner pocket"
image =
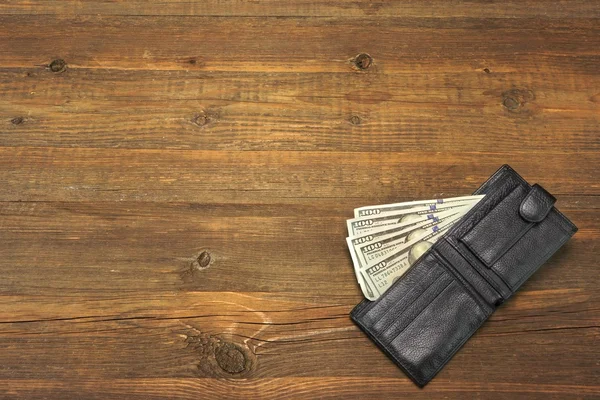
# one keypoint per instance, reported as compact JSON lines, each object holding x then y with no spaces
{"x":410,"y":312}
{"x":378,"y":315}
{"x":440,"y":329}
{"x":497,"y":231}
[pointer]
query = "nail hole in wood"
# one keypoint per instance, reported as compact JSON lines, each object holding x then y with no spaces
{"x":58,"y":65}
{"x":363,"y":61}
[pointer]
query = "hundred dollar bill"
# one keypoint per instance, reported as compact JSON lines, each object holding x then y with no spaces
{"x":384,"y":242}
{"x":377,"y":246}
{"x":405,"y":227}
{"x":364,"y":225}
{"x":383,"y":274}
{"x":393,"y":208}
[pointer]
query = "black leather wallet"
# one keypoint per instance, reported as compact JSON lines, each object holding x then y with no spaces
{"x":447,"y":294}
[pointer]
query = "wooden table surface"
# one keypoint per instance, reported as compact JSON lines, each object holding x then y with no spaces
{"x":176,"y":177}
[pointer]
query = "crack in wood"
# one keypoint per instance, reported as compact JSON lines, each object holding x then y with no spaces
{"x":559,"y":328}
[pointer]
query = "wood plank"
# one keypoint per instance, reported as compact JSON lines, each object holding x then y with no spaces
{"x":319,"y":45}
{"x":289,"y":388}
{"x":174,"y":195}
{"x":113,"y":249}
{"x":57,"y":174}
{"x":320,"y":111}
{"x":185,"y":330}
{"x":312,"y":8}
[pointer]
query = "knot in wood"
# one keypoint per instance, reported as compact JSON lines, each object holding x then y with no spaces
{"x":58,"y":65}
{"x":17,"y":120}
{"x":230,"y":358}
{"x":511,"y":103}
{"x":487,"y":70}
{"x":363,"y":61}
{"x":202,"y":261}
{"x":200,"y":120}
{"x":355,"y":120}
{"x":221,"y":358}
{"x":515,"y":99}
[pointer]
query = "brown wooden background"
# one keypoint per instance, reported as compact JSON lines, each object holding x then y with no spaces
{"x":176,"y":176}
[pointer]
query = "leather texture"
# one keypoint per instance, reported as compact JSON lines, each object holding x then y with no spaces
{"x":537,"y":204}
{"x":446,"y":295}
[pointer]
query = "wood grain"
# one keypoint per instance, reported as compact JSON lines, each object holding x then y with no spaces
{"x":282,"y":111}
{"x":107,"y":248}
{"x":269,"y":330}
{"x":310,"y":8}
{"x":176,"y":176}
{"x":327,"y":44}
{"x":54,"y":174}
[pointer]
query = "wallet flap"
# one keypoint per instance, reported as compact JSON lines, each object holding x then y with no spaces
{"x":500,"y":227}
{"x":537,"y":204}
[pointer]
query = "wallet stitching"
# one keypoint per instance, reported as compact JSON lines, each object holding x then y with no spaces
{"x":564,"y":220}
{"x":458,"y":346}
{"x":503,"y":250}
{"x":509,"y":182}
{"x":469,"y":235}
{"x":531,"y":195}
{"x":386,"y":350}
{"x":559,"y":219}
{"x":475,"y":253}
{"x":372,"y":304}
{"x":363,"y":307}
{"x":506,"y":167}
{"x":544,"y":258}
{"x":506,"y":250}
{"x":494,"y":176}
{"x":356,"y":311}
{"x":492,"y":180}
{"x":537,"y":193}
{"x":483,"y":271}
{"x":423,"y":310}
{"x":387,"y":328}
{"x":455,"y":348}
{"x":468,"y":287}
{"x":414,"y":288}
{"x":409,"y":370}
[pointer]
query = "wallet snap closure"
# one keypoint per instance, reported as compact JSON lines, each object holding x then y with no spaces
{"x":537,"y":204}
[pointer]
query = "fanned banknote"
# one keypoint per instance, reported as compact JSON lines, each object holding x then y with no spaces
{"x":386,"y":243}
{"x":394,"y":208}
{"x":388,"y":220}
